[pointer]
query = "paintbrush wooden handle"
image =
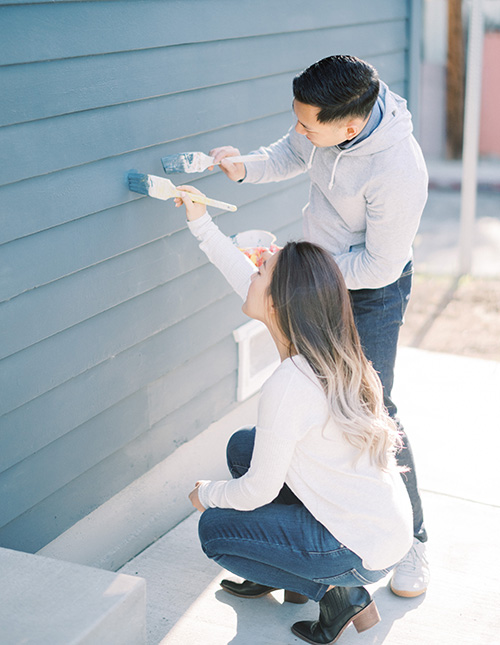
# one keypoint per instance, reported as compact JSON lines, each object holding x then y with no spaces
{"x":243,"y":158}
{"x":201,"y":199}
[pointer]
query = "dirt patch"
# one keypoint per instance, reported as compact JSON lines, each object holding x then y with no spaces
{"x":454,"y":316}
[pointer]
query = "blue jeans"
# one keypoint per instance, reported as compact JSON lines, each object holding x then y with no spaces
{"x":379,"y":314}
{"x":280,"y":544}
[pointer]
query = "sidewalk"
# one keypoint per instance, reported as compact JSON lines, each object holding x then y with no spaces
{"x":456,"y":446}
{"x":436,"y":244}
{"x":448,"y":404}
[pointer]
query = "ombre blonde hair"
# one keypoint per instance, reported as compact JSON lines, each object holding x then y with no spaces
{"x":313,"y":311}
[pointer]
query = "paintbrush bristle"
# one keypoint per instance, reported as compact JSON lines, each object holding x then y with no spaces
{"x":139,"y":183}
{"x":187,"y":162}
{"x":157,"y":187}
{"x":178,"y":163}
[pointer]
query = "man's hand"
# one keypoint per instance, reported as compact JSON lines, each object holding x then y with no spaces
{"x":195,"y":500}
{"x":235,"y":171}
{"x":193,"y":209}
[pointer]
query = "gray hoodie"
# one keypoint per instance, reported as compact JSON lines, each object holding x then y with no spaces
{"x":365,"y":201}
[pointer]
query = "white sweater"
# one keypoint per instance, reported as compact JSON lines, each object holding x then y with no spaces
{"x":298,"y":443}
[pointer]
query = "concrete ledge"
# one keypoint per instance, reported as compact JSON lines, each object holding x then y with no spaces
{"x":51,"y":602}
{"x":153,"y":504}
{"x":447,"y":174}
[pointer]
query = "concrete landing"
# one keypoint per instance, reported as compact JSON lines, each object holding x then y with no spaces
{"x":186,"y":605}
{"x":51,"y":602}
{"x":449,"y":407}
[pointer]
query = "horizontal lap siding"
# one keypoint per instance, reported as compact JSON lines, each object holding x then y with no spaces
{"x":115,"y":333}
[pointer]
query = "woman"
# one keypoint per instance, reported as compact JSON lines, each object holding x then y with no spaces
{"x":316,"y":504}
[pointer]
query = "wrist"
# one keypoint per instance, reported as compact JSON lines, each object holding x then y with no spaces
{"x":193,"y":217}
{"x":201,"y":490}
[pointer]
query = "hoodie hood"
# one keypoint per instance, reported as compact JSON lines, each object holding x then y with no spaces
{"x":395,"y":125}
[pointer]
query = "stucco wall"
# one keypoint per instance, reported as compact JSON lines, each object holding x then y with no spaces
{"x":489,"y":137}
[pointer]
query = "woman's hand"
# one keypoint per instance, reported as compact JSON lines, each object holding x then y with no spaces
{"x":193,"y":209}
{"x":195,"y":500}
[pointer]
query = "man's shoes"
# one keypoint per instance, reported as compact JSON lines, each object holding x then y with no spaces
{"x":411,"y":576}
{"x":247,"y":589}
{"x":338,"y":608}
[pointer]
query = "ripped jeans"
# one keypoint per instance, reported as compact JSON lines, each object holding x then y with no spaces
{"x":281,"y":544}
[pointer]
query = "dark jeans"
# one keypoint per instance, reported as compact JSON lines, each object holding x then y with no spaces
{"x":281,"y":544}
{"x":379,"y":314}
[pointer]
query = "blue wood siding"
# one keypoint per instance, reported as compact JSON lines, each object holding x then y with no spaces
{"x":115,"y":333}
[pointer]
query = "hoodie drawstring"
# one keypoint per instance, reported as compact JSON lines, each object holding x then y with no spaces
{"x":309,"y":165}
{"x":311,"y":158}
{"x":334,"y":169}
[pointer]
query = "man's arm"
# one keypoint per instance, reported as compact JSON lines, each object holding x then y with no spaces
{"x":287,"y":158}
{"x":393,"y":210}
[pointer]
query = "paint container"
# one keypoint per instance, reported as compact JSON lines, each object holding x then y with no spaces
{"x":255,"y":243}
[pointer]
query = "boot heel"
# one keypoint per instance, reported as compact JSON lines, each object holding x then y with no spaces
{"x":366,"y":618}
{"x":295,"y":598}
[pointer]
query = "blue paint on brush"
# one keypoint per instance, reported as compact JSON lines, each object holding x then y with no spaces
{"x":178,"y":163}
{"x":139,"y":183}
{"x":199,"y":161}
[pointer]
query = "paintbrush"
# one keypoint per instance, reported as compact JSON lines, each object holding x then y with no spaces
{"x":199,"y":161}
{"x":162,"y":188}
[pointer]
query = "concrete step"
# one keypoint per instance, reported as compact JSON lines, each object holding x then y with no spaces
{"x":52,"y":602}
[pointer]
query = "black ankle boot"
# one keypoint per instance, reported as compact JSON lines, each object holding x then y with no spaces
{"x":338,"y":608}
{"x":249,"y":589}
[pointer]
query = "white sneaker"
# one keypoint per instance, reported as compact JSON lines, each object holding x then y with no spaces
{"x":411,"y":575}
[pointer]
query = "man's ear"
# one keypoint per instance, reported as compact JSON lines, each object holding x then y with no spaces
{"x":354,"y":126}
{"x":351,"y":131}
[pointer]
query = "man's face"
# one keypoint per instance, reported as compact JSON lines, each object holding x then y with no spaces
{"x":323,"y":135}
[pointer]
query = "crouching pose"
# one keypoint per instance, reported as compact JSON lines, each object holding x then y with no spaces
{"x":316,"y":505}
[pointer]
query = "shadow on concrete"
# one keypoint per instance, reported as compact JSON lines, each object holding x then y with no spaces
{"x":426,"y":327}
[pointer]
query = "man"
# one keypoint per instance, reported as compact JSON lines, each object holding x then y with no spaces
{"x":353,"y":136}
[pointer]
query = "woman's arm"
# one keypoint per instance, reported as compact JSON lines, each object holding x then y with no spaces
{"x":280,"y":424}
{"x":234,"y":265}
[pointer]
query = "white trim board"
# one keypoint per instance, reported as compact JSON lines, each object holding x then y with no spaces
{"x":258,"y":357}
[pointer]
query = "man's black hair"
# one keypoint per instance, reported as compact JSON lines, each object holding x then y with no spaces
{"x":341,"y":86}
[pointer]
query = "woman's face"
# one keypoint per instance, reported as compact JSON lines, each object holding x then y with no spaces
{"x":258,"y":303}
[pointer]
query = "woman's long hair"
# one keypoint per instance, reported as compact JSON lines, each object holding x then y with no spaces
{"x":313,"y":310}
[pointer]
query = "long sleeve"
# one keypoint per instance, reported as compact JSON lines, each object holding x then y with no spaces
{"x":234,"y":265}
{"x":393,"y":210}
{"x":287,"y":158}
{"x":280,"y":424}
{"x":297,"y":442}
{"x":365,"y":201}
